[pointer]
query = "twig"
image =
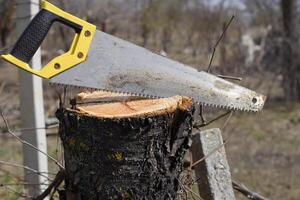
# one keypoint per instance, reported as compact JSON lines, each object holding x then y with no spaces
{"x":27,"y":143}
{"x":24,"y":167}
{"x":21,"y":194}
{"x":24,"y":130}
{"x":217,"y":43}
{"x":36,"y":128}
{"x":59,"y":98}
{"x":20,"y":131}
{"x":208,"y":155}
{"x":208,"y":123}
{"x":4,"y":135}
{"x":230,"y":77}
{"x":53,"y":186}
{"x":227,"y":121}
{"x":191,"y":191}
{"x":22,"y":183}
{"x":49,"y":173}
{"x":246,"y":192}
{"x":210,"y":63}
{"x":54,"y":190}
{"x":201,"y":114}
{"x":65,"y":96}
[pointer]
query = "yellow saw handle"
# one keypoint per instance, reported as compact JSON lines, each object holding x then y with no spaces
{"x":34,"y":34}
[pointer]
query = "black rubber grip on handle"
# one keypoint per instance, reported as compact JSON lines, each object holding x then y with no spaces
{"x":33,"y":36}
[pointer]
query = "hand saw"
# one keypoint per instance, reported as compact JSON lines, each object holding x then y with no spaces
{"x":100,"y":61}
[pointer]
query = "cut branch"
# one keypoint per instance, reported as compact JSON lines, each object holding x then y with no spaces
{"x":209,"y":154}
{"x":24,"y":167}
{"x":246,"y":192}
{"x":230,"y":77}
{"x":197,"y":126}
{"x":217,"y":43}
{"x":59,"y":178}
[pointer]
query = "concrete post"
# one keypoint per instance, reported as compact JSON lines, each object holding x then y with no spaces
{"x":213,"y":173}
{"x":32,"y":106}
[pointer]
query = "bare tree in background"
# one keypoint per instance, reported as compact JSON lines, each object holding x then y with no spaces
{"x":264,"y":11}
{"x":146,"y":14}
{"x":7,"y":10}
{"x":281,"y":54}
{"x":291,"y":70}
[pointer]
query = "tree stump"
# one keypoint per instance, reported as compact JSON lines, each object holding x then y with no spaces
{"x":126,"y":148}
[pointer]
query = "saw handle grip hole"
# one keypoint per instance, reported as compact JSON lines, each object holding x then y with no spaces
{"x":35,"y":33}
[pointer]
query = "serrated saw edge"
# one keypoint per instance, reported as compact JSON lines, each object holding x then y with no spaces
{"x":226,"y":107}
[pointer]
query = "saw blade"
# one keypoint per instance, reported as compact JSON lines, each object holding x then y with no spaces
{"x":149,"y":96}
{"x":119,"y":66}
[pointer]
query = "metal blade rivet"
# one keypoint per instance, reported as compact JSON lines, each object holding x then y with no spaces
{"x":87,"y":33}
{"x":80,"y":55}
{"x":56,"y":66}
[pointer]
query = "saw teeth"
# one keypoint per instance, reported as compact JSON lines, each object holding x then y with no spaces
{"x":226,"y":107}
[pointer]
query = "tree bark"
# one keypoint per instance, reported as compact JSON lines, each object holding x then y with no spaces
{"x":125,"y":149}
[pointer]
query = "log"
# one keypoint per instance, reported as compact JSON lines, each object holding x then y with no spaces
{"x":131,"y":149}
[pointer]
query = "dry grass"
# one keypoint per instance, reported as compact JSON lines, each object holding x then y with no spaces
{"x":264,"y":151}
{"x":11,"y":151}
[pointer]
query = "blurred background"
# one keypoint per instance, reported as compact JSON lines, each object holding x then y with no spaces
{"x":261,"y":46}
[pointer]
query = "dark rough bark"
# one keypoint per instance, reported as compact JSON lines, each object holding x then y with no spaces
{"x":130,"y":158}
